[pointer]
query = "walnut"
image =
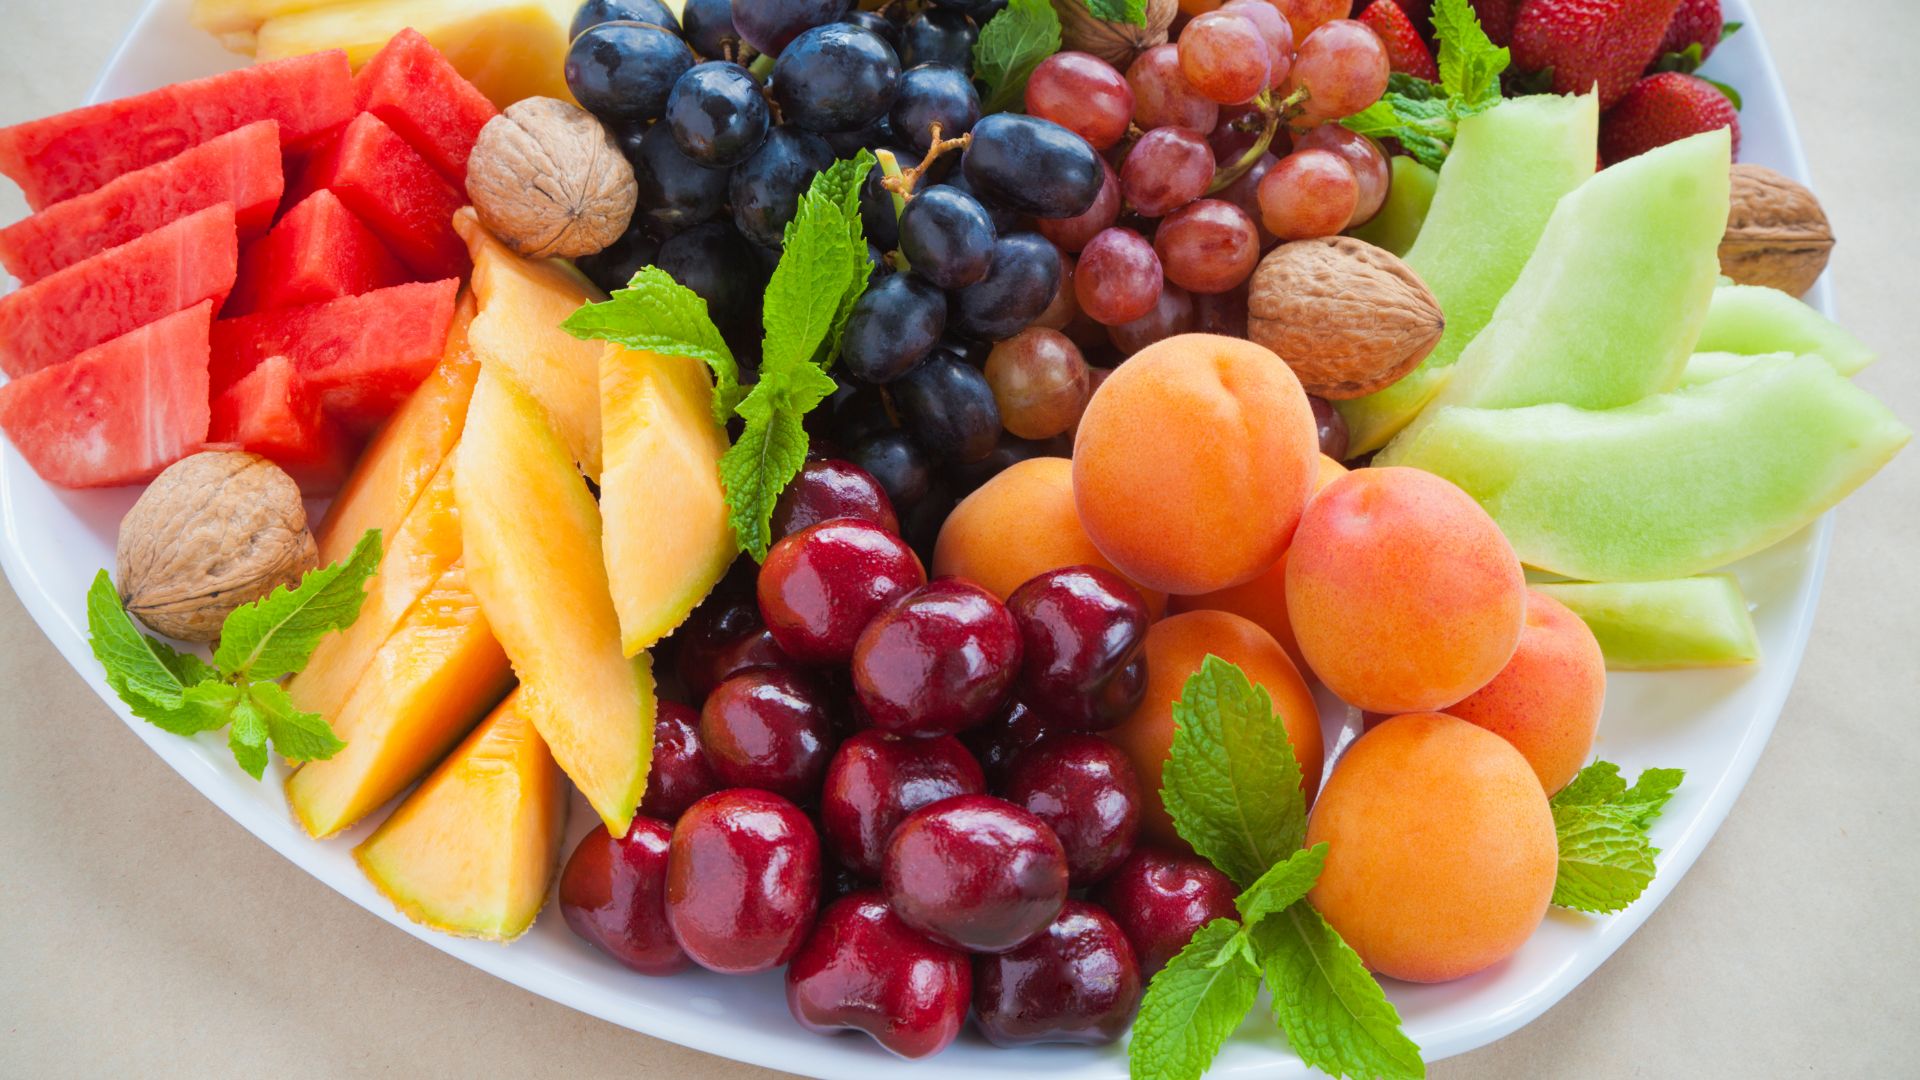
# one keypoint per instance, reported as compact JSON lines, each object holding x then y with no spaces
{"x":550,"y":181}
{"x":212,"y":532}
{"x":1348,"y":318}
{"x":1115,"y":42}
{"x":1777,"y":234}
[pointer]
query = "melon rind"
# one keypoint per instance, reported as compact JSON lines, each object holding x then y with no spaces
{"x":1663,"y":625}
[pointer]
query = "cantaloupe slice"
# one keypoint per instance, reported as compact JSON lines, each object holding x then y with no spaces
{"x":474,"y":850}
{"x":438,"y":674}
{"x":1661,"y":625}
{"x":534,"y":554}
{"x":522,"y":304}
{"x":1753,"y":319}
{"x":667,"y":538}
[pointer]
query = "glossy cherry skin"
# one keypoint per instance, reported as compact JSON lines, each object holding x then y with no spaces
{"x":864,"y":969}
{"x":1160,"y":898}
{"x":769,"y":729}
{"x":613,"y":894}
{"x":714,"y":629}
{"x":939,"y":661}
{"x":976,"y":873}
{"x":680,"y":775}
{"x":1085,"y":789}
{"x":1077,"y":982}
{"x":820,"y":587}
{"x":1084,"y":632}
{"x":830,"y":489}
{"x":998,"y":741}
{"x":876,"y":780}
{"x":743,"y":881}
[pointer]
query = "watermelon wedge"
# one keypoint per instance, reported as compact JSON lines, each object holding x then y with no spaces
{"x":241,"y":167}
{"x":76,"y":152}
{"x":271,"y":412}
{"x":170,"y":269}
{"x":413,"y":88}
{"x":362,"y":355}
{"x":119,"y":412}
{"x":319,"y":251}
{"x":393,"y":189}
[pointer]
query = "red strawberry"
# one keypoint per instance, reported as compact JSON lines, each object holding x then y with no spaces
{"x":1608,"y":42}
{"x":1496,"y":18}
{"x":1664,"y":108}
{"x":1404,"y":48}
{"x":1698,"y":22}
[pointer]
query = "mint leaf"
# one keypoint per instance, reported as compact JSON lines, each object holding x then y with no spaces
{"x":1333,"y":1012}
{"x":657,"y":314}
{"x":1596,"y":785}
{"x":275,"y":635}
{"x":1424,"y":127}
{"x":1131,"y":12}
{"x":822,"y":271}
{"x":1010,"y":46}
{"x":1423,"y":117}
{"x":1231,"y":782}
{"x":1193,"y":1004}
{"x":1649,"y":795}
{"x":1470,"y":63}
{"x":147,"y":673}
{"x":247,"y":738}
{"x":770,"y":451}
{"x":1282,"y":886}
{"x":299,"y":736}
{"x":1605,"y":860}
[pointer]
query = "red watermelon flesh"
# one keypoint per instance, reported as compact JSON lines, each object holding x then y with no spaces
{"x":119,"y":412}
{"x":361,"y":354}
{"x":241,"y":167}
{"x":420,"y":95}
{"x":318,"y":252}
{"x":76,"y":152}
{"x":97,"y":299}
{"x":393,"y":189}
{"x":271,"y":412}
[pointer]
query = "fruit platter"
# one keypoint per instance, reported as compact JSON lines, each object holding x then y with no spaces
{"x":1151,"y":538}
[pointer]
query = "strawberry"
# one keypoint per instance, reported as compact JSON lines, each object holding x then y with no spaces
{"x":1698,"y":22}
{"x":1608,"y":42}
{"x":1664,"y":108}
{"x":1496,"y":18}
{"x":1405,"y":50}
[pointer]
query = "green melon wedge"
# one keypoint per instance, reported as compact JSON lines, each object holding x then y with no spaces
{"x":1753,"y":319}
{"x":1705,"y":367}
{"x":1508,"y":168}
{"x":1675,"y":485}
{"x":1661,"y":625}
{"x":1409,"y":197}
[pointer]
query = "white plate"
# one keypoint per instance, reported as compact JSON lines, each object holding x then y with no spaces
{"x":1713,"y":724}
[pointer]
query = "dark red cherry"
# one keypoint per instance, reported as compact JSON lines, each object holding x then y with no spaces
{"x":1084,"y":788}
{"x":937,"y":662}
{"x":876,"y":780}
{"x":998,"y":741}
{"x":1077,"y":982}
{"x":743,"y":881}
{"x":830,"y":489}
{"x":755,"y":652}
{"x":1084,"y":631}
{"x":1160,"y":898}
{"x":680,"y":775}
{"x":821,"y":586}
{"x":769,"y":729}
{"x":613,"y":894}
{"x":864,"y":969}
{"x":975,"y":872}
{"x":728,"y":614}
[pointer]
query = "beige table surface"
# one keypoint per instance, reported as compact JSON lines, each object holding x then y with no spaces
{"x":142,"y":933}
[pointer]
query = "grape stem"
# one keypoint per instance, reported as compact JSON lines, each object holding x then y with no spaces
{"x":1271,"y":117}
{"x":902,"y":181}
{"x":761,"y":67}
{"x":890,"y":175}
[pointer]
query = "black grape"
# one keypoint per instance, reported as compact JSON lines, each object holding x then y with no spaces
{"x":594,"y":12}
{"x":838,"y":77}
{"x":877,"y":216}
{"x":614,"y":266}
{"x":716,"y":262}
{"x":1032,"y":165}
{"x":717,"y":113}
{"x":622,"y":72}
{"x":900,"y":466}
{"x":934,"y":94}
{"x":947,"y":237}
{"x":877,"y":264}
{"x":939,"y":37}
{"x":1017,"y":289}
{"x":893,"y":326}
{"x":709,"y":27}
{"x":980,"y":10}
{"x":859,"y":411}
{"x":947,"y":407}
{"x":674,"y":192}
{"x":888,"y":29}
{"x":1008,"y":452}
{"x":848,"y":143}
{"x":1004,"y":220}
{"x":766,"y":189}
{"x":770,"y":25}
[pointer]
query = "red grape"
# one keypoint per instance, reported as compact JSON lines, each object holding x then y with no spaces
{"x":1039,"y":380}
{"x":1073,"y":233}
{"x":1343,"y":67}
{"x":1208,"y":246}
{"x":1275,"y":28}
{"x":1084,"y":94}
{"x":1118,"y":278}
{"x":1310,"y":193}
{"x":1167,"y":169}
{"x":1364,"y":156}
{"x":1172,"y":314}
{"x":1307,"y":15}
{"x":1225,"y":57}
{"x":1064,"y":308}
{"x":1245,"y":194}
{"x":1162,"y":97}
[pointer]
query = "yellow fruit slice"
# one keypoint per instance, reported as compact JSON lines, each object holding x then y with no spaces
{"x":667,"y":538}
{"x":533,"y":552}
{"x":473,"y":851}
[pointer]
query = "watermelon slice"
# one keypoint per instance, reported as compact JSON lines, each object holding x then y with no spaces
{"x":393,"y":189}
{"x":241,"y":167}
{"x":76,"y":152}
{"x":271,"y":412}
{"x":411,"y":86}
{"x":361,"y":354}
{"x":320,"y":251}
{"x":170,"y":269}
{"x":119,"y":412}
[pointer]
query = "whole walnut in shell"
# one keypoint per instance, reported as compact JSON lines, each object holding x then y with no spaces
{"x":1114,"y":41}
{"x":214,"y":531}
{"x":1777,"y":232}
{"x":549,"y":180}
{"x":1348,"y":318}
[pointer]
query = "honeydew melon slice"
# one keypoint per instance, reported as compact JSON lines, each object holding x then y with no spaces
{"x":1409,"y":197}
{"x":1705,"y":367}
{"x":1661,"y":625}
{"x":1672,"y":486}
{"x":1508,"y":167}
{"x":1753,"y":319}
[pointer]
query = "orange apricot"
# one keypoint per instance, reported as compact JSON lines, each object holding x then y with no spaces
{"x":1547,"y":700}
{"x":1193,"y":461}
{"x":1402,"y":592}
{"x":1176,"y":646}
{"x":1441,"y":852}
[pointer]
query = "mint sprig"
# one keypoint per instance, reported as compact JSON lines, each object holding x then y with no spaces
{"x":1131,"y":12}
{"x":1334,"y":1013}
{"x":1606,"y":858}
{"x":1232,"y":784}
{"x":1424,"y":117}
{"x":260,"y":643}
{"x":1015,"y":41}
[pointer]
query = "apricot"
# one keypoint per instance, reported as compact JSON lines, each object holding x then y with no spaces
{"x":1547,"y":700}
{"x":1175,"y":648}
{"x":1193,"y":462}
{"x":1440,"y":848}
{"x":1402,"y":592}
{"x":1018,"y":525}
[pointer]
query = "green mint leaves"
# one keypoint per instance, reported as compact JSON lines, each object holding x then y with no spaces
{"x":1193,"y":1004}
{"x":1232,"y":783}
{"x":1606,"y":860}
{"x":822,"y":271}
{"x":1423,"y":117}
{"x":1015,"y":41}
{"x":260,"y":643}
{"x":1334,"y":1013}
{"x":1132,"y":12}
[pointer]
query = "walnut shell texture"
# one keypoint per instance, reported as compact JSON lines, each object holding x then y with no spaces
{"x":214,"y":531}
{"x":549,"y":180}
{"x":1777,"y":232}
{"x":1115,"y":42}
{"x":1348,"y":318}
